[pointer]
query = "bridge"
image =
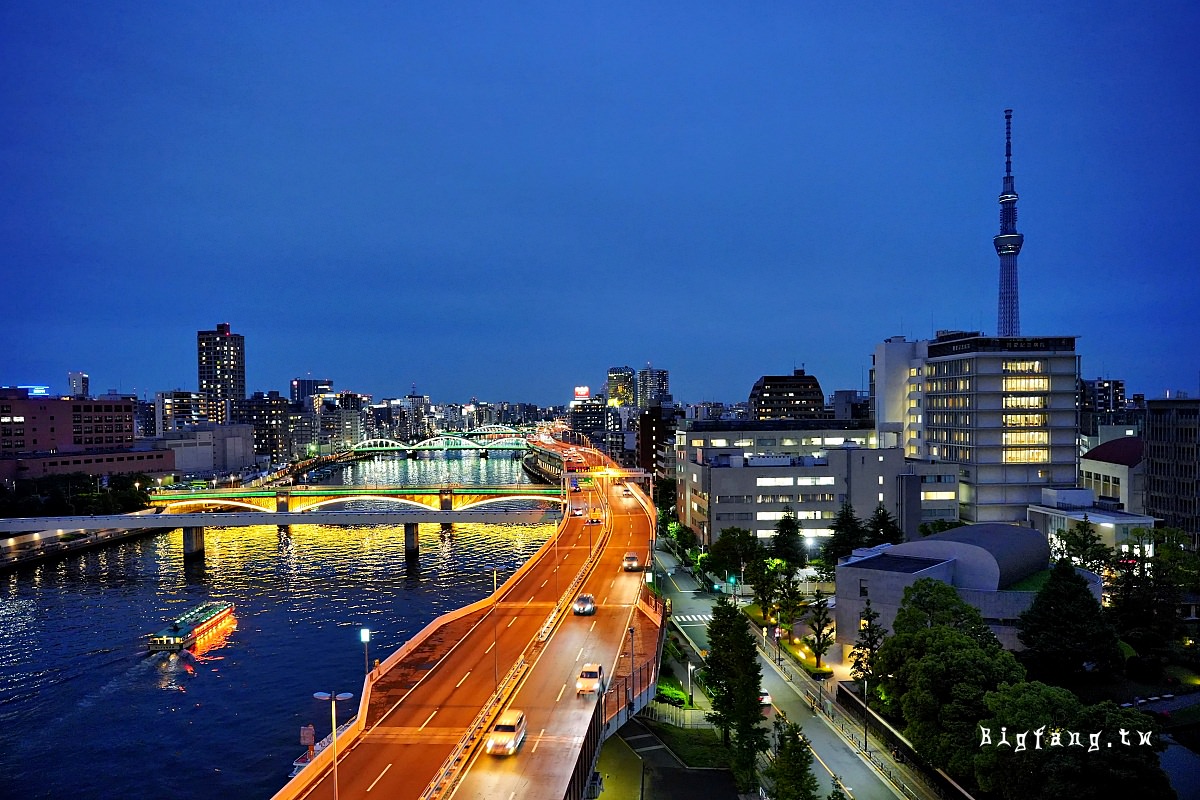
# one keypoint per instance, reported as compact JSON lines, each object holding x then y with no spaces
{"x":311,"y":498}
{"x":484,"y":440}
{"x":424,"y":712}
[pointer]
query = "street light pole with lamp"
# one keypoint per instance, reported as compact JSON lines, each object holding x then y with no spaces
{"x":365,"y":635}
{"x":691,"y":669}
{"x":333,"y":698}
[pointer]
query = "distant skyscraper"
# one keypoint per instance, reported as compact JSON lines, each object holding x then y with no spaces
{"x":221,"y":367}
{"x":622,"y":386}
{"x":1008,"y":244}
{"x":652,"y":385}
{"x":304,"y":388}
{"x":79,"y":383}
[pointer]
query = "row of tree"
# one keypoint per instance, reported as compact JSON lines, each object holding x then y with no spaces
{"x":944,"y":678}
{"x":78,"y":493}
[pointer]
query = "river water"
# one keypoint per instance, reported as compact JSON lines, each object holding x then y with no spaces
{"x":86,"y":712}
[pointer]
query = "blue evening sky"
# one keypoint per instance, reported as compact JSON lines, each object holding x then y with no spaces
{"x":505,"y":199}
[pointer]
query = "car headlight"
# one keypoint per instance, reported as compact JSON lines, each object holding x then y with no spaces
{"x":578,"y":685}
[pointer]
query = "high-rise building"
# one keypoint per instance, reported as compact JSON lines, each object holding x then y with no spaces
{"x":795,"y":396}
{"x":79,"y":384}
{"x":221,"y":369}
{"x":1000,"y":408}
{"x":1102,"y":402}
{"x":1172,"y":463}
{"x":304,"y":388}
{"x":653,"y":385}
{"x":178,"y":410}
{"x":622,"y":386}
{"x":269,"y":414}
{"x":1008,"y":244}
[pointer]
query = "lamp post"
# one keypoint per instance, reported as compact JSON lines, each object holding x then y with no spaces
{"x":365,"y":635}
{"x":333,"y":698}
{"x":691,"y":669}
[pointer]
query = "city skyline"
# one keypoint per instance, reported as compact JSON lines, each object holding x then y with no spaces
{"x":507,"y":203}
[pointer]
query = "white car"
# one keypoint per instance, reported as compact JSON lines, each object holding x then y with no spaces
{"x":507,"y":733}
{"x":631,"y":563}
{"x":591,"y":679}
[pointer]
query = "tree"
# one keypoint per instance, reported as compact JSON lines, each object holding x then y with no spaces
{"x":735,"y":681}
{"x":847,"y":535}
{"x":929,"y":603}
{"x":1150,"y":579}
{"x":870,"y":638}
{"x":882,"y":528}
{"x":791,"y":599}
{"x":1082,"y":545}
{"x":763,"y":575}
{"x":936,"y":679}
{"x":938,"y":526}
{"x":732,"y":550}
{"x":1065,"y":629}
{"x":1043,"y":769}
{"x":788,"y":545}
{"x":790,"y":774}
{"x":820,"y":622}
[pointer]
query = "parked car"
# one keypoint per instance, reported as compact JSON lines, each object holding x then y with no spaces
{"x":507,"y":733}
{"x":585,"y":605}
{"x":591,"y":679}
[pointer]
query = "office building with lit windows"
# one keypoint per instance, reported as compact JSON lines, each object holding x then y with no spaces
{"x":653,"y":386}
{"x":221,"y":369}
{"x":622,"y":386}
{"x":1002,"y":410}
{"x":746,"y":473}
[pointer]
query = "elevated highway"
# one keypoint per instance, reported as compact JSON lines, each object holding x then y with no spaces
{"x":424,"y":712}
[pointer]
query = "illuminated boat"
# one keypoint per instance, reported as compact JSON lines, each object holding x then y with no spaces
{"x":195,"y":624}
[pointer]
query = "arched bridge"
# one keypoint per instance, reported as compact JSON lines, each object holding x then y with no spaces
{"x":294,"y":498}
{"x":490,"y":438}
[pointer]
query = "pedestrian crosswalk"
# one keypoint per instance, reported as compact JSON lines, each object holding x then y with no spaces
{"x":695,"y":619}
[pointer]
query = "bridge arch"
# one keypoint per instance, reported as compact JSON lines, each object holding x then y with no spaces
{"x":223,"y":502}
{"x":380,"y":498}
{"x":490,"y":500}
{"x":369,"y":445}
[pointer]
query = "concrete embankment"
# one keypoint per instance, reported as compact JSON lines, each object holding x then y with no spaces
{"x":35,"y":547}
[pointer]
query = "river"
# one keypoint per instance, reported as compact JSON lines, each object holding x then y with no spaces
{"x":86,"y":712}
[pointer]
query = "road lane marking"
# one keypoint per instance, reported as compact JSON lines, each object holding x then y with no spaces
{"x":464,"y":677}
{"x":510,"y":622}
{"x":535,"y":744}
{"x":385,"y":769}
{"x":490,"y":646}
{"x":580,"y":654}
{"x":426,"y":722}
{"x":603,"y":602}
{"x":593,"y":624}
{"x":543,"y":586}
{"x":560,"y":693}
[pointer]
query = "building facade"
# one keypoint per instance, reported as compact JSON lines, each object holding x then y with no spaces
{"x":653,"y":386}
{"x":1002,"y":410}
{"x":745,"y":474}
{"x":79,"y":382}
{"x":795,"y":396}
{"x":1172,"y":463}
{"x":178,"y":410}
{"x":622,"y":387}
{"x":221,"y":370}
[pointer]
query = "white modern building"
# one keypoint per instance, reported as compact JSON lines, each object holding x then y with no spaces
{"x":746,"y":473}
{"x":999,"y":410}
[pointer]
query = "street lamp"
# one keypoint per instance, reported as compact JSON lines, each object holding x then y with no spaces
{"x":691,"y":669}
{"x":365,"y":635}
{"x":333,"y":698}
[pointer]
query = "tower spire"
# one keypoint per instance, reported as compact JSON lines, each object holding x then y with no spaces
{"x":1008,"y":243}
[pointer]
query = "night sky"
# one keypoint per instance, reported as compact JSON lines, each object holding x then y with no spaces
{"x":505,"y":199}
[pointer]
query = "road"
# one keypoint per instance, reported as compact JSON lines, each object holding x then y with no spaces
{"x":399,"y":754}
{"x":691,"y":611}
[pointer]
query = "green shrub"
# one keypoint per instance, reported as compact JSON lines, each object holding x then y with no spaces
{"x":671,"y":694}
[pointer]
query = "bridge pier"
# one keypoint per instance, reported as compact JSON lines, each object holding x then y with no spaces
{"x":411,"y":545}
{"x":446,"y":503}
{"x":193,"y":542}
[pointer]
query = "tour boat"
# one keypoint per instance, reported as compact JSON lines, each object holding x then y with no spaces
{"x":195,"y":624}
